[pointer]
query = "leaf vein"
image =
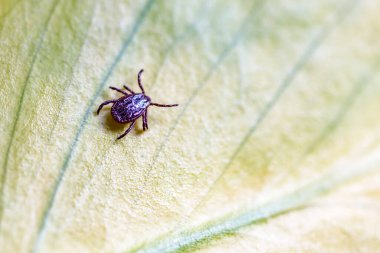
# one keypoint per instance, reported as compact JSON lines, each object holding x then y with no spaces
{"x":226,"y":51}
{"x":63,"y":169}
{"x":288,"y":80}
{"x":19,"y":107}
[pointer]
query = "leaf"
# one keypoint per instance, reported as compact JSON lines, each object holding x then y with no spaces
{"x":274,"y":148}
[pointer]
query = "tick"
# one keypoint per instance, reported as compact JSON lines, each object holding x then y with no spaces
{"x":131,"y":106}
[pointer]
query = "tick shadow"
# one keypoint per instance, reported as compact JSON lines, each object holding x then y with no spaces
{"x":118,"y":128}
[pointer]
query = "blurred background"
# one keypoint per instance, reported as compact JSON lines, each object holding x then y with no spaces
{"x":275,"y":146}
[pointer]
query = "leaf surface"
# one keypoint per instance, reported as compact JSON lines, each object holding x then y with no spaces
{"x":275,"y":145}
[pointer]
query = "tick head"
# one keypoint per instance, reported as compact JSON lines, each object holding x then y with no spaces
{"x":147,"y":98}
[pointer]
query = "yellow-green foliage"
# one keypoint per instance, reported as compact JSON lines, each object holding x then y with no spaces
{"x":275,"y":146}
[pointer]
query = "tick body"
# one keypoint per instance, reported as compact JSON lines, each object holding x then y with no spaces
{"x":131,"y":106}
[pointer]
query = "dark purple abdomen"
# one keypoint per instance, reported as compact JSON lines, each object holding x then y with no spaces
{"x":129,"y":108}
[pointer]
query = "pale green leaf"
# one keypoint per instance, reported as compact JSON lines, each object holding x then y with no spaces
{"x":275,"y":146}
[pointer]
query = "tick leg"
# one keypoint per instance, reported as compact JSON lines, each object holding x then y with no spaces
{"x":105,"y":103}
{"x":118,"y":90}
{"x":160,"y":105}
{"x":127,"y":131}
{"x":129,"y":89}
{"x":145,"y":120}
{"x":139,"y":81}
